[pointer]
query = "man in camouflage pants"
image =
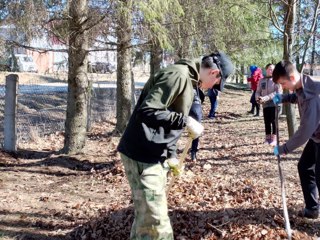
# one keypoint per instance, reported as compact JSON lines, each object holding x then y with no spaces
{"x":148,"y":144}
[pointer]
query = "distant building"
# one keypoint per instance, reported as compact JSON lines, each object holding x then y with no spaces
{"x":53,"y":61}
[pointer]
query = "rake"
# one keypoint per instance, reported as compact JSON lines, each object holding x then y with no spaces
{"x":283,"y":191}
{"x":181,"y":162}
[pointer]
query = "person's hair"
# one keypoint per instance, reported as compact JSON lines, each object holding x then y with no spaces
{"x":209,"y":62}
{"x":283,"y":69}
{"x":268,"y":65}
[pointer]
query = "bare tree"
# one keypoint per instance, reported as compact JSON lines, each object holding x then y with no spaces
{"x":125,"y":88}
{"x":288,"y":42}
{"x":155,"y":57}
{"x":78,"y":84}
{"x":313,"y":56}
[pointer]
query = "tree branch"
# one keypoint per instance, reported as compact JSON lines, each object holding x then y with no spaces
{"x":274,"y":18}
{"x":312,"y":30}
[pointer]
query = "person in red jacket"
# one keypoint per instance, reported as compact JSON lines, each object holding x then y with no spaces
{"x":256,"y":75}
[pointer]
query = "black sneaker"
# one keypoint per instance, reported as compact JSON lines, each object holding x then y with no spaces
{"x":311,"y":214}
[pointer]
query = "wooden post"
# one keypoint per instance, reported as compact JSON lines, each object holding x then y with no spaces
{"x":10,"y":111}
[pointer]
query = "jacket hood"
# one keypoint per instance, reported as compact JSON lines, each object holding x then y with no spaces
{"x":194,"y":68}
{"x":311,"y":86}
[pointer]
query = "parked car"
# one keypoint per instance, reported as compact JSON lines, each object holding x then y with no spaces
{"x":24,"y":63}
{"x":101,"y":67}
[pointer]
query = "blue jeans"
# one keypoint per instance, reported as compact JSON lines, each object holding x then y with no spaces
{"x":213,"y":94}
{"x":196,"y":113}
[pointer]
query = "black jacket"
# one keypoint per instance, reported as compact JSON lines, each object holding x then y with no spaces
{"x":161,"y":112}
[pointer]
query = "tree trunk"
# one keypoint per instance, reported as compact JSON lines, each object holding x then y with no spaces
{"x":288,"y":42}
{"x":298,"y":34}
{"x":236,"y":76}
{"x":78,"y":85}
{"x":155,"y":58}
{"x":125,"y":90}
{"x":313,"y":55}
{"x":243,"y":72}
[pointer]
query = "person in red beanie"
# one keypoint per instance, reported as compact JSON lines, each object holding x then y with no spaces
{"x":256,"y":75}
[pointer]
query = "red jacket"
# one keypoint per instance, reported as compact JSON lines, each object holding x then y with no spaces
{"x":255,"y":78}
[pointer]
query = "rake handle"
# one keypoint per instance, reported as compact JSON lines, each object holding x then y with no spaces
{"x":283,"y":190}
{"x":182,"y":159}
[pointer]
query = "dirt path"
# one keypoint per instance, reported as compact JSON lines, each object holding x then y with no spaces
{"x":231,"y":192}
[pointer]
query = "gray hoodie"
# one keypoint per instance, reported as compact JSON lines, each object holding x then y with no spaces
{"x":268,"y":89}
{"x":308,"y":99}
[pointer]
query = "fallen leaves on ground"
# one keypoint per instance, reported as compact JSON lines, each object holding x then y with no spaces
{"x":231,"y":192}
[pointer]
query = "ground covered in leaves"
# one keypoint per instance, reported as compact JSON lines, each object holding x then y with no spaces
{"x":231,"y":192}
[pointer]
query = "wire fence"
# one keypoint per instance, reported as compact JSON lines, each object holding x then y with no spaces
{"x":41,"y":109}
{"x":42,"y":104}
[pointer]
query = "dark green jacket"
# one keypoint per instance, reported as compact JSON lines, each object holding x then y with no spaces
{"x":161,"y":112}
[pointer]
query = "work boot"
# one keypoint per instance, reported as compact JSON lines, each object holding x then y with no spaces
{"x":268,"y":139}
{"x":193,"y":156}
{"x":311,"y":214}
{"x":273,"y":140}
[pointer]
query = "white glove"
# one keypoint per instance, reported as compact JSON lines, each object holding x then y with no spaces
{"x":194,"y":128}
{"x":174,"y":165}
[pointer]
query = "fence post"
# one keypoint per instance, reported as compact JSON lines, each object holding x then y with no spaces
{"x":89,"y":106}
{"x":10,"y":110}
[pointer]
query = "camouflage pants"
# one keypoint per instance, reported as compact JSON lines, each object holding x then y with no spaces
{"x":148,"y":182}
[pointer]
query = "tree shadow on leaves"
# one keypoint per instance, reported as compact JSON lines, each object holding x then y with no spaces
{"x":202,"y":224}
{"x":228,"y":147}
{"x":31,"y":154}
{"x":66,"y":162}
{"x":34,"y":225}
{"x":244,"y":157}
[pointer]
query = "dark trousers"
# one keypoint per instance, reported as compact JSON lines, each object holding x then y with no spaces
{"x":269,"y":116}
{"x":254,"y":103}
{"x":196,"y":113}
{"x":214,"y":103}
{"x":309,"y":172}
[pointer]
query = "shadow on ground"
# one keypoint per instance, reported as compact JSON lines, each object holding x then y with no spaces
{"x":192,"y":224}
{"x":116,"y":224}
{"x":48,"y":159}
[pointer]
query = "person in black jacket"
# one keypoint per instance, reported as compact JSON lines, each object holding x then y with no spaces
{"x":148,"y":145}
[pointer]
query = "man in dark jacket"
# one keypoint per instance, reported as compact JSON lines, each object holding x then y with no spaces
{"x":307,"y":96}
{"x":152,"y":133}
